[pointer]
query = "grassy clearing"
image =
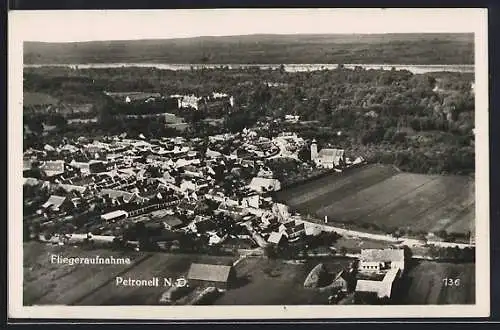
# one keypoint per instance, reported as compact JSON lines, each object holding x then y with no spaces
{"x":426,"y":285}
{"x":51,"y":283}
{"x":275,"y":282}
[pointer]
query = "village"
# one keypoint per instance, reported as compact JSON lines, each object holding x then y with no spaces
{"x":174,"y":194}
{"x":234,"y":201}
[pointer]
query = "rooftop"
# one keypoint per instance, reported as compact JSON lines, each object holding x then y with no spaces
{"x":382,"y":255}
{"x":208,"y":272}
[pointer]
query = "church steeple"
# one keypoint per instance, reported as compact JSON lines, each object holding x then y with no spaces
{"x":314,"y":150}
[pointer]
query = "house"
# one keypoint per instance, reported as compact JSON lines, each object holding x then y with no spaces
{"x":212,"y":154}
{"x":285,"y":226}
{"x":265,"y":172}
{"x":277,"y":238}
{"x":202,"y":224}
{"x":188,"y":185}
{"x":115,"y":215}
{"x":295,"y":232}
{"x":171,"y":222}
{"x":93,"y":166}
{"x":292,"y":230}
{"x":261,"y":185}
{"x":27,"y":164}
{"x":292,"y":118}
{"x":56,"y":203}
{"x":53,"y":168}
{"x":127,"y":197}
{"x":251,"y":201}
{"x":69,"y":188}
{"x":327,"y":158}
{"x":215,"y":238}
{"x":231,"y":210}
{"x":376,"y":260}
{"x":31,"y":182}
{"x":169,"y":178}
{"x":219,"y":276}
{"x":281,"y":211}
{"x":188,"y":207}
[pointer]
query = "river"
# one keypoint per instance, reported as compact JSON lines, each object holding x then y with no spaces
{"x":416,"y":69}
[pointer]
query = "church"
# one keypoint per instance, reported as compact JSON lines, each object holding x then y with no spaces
{"x":327,"y":158}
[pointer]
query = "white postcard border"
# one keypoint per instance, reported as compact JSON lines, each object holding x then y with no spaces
{"x":481,"y":308}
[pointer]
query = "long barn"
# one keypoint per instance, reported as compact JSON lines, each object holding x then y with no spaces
{"x":219,"y":276}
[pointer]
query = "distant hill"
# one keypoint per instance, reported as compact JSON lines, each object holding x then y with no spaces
{"x":264,"y":49}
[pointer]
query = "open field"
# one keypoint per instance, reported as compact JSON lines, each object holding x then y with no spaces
{"x":275,"y":282}
{"x":46,"y":283}
{"x":426,"y":284}
{"x":259,"y":280}
{"x":32,"y":98}
{"x":51,"y":283}
{"x":387,"y":199}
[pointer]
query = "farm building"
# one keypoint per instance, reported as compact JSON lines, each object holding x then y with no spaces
{"x":375,"y":260}
{"x":171,"y":222}
{"x":382,"y":288}
{"x":219,"y":276}
{"x":379,"y":269}
{"x":327,"y":158}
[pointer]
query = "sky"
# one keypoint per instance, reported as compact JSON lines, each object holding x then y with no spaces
{"x":71,"y":26}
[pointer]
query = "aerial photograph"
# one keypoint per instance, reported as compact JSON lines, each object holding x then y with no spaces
{"x":250,"y":169}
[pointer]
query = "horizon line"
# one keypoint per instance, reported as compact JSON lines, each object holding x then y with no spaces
{"x":249,"y":35}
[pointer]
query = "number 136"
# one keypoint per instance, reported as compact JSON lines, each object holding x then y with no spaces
{"x":451,"y":281}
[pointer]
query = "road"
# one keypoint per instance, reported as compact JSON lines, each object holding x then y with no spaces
{"x":410,"y":242}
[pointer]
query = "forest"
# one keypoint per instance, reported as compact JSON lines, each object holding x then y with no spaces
{"x":418,"y":48}
{"x":419,"y":122}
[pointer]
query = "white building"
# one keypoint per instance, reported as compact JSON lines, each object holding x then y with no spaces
{"x":375,"y":260}
{"x":383,"y":288}
{"x":387,"y":262}
{"x":115,"y":215}
{"x":327,"y":158}
{"x":264,"y":184}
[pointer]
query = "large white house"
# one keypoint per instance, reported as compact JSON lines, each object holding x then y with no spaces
{"x":379,"y":269}
{"x":264,"y":184}
{"x":375,"y":260}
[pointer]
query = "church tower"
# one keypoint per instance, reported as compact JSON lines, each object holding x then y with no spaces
{"x":314,"y":150}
